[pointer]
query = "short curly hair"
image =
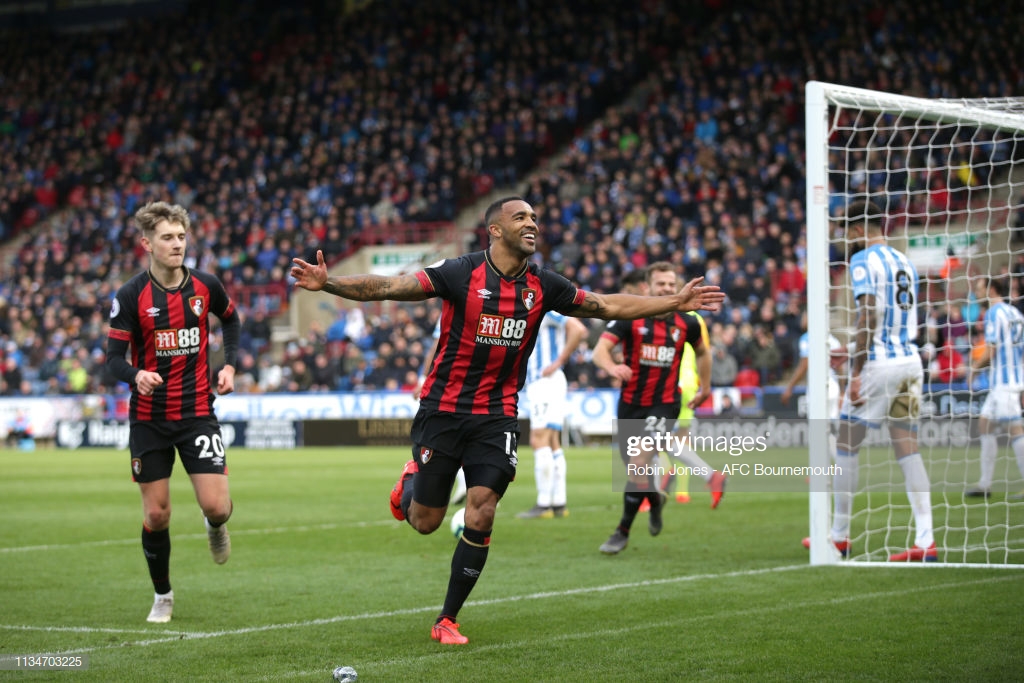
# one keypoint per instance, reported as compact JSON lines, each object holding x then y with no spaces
{"x":151,"y":214}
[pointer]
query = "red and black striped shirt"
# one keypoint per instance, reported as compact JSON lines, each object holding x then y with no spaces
{"x":489,"y":324}
{"x":168,"y":330}
{"x":653,"y":349}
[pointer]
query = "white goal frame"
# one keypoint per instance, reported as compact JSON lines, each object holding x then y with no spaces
{"x":990,"y":113}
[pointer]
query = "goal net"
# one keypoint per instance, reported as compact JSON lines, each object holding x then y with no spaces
{"x":948,"y":179}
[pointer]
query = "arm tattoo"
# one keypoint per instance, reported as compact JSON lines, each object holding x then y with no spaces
{"x":593,"y":306}
{"x":375,"y":288}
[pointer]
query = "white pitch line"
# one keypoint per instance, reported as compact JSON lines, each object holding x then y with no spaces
{"x":172,"y":636}
{"x":168,"y":636}
{"x":165,"y":636}
{"x":86,"y":629}
{"x":234,"y":532}
{"x":533,"y":643}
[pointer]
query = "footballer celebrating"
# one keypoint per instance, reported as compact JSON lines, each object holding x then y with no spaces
{"x":494,"y":301}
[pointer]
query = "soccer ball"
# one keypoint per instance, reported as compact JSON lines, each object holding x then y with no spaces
{"x":458,"y":522}
{"x":345,"y":674}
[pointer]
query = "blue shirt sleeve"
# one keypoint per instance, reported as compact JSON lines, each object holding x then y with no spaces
{"x":860,"y":275}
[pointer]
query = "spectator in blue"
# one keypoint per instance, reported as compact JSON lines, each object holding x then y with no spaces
{"x":20,"y":431}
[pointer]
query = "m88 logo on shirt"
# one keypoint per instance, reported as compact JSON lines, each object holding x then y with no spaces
{"x":498,"y":330}
{"x":652,"y":354}
{"x":177,"y":342}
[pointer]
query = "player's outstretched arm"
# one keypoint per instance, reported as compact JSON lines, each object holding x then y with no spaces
{"x":356,"y":287}
{"x":694,"y":296}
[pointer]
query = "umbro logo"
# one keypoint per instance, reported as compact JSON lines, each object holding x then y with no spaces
{"x":153,"y":311}
{"x":484,"y":293}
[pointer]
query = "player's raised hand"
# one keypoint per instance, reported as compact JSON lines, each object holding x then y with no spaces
{"x":309,"y":276}
{"x":695,"y":296}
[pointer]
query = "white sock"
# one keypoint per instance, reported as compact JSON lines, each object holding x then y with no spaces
{"x":1018,"y":450}
{"x":988,"y":461}
{"x":558,"y":470}
{"x":695,"y":462}
{"x":844,"y":485}
{"x":169,"y":594}
{"x":460,"y":485}
{"x":542,"y":472}
{"x":919,"y":493}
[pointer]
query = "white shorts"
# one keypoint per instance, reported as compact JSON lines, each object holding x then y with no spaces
{"x":1001,"y":405}
{"x":549,"y":401}
{"x":889,"y":389}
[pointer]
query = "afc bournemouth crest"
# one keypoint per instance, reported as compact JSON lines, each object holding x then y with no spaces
{"x":136,"y":466}
{"x":529,"y":297}
{"x":197,"y":304}
{"x":675,"y":334}
{"x":425,"y":455}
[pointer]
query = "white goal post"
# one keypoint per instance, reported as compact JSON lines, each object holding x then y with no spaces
{"x":948,"y":176}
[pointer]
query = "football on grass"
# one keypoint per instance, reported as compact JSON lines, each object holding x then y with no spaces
{"x":458,"y":522}
{"x":345,"y":674}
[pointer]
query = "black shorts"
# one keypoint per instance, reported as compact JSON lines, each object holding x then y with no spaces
{"x":660,"y":417}
{"x":644,"y":421}
{"x":197,"y":440}
{"x":484,"y":446}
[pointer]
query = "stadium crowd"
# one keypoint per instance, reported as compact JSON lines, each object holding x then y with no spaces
{"x":639,"y":132}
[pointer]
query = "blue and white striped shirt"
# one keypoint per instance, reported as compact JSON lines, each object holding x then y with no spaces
{"x":889,"y":275}
{"x":550,"y":342}
{"x":1004,"y":332}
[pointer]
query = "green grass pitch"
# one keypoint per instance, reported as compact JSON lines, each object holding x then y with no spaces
{"x":321,"y":576}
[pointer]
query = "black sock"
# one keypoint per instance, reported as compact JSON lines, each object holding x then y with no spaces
{"x":631,"y":505}
{"x":220,"y":524}
{"x":467,"y":563}
{"x":407,"y":491}
{"x":655,"y":500}
{"x":156,"y":546}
